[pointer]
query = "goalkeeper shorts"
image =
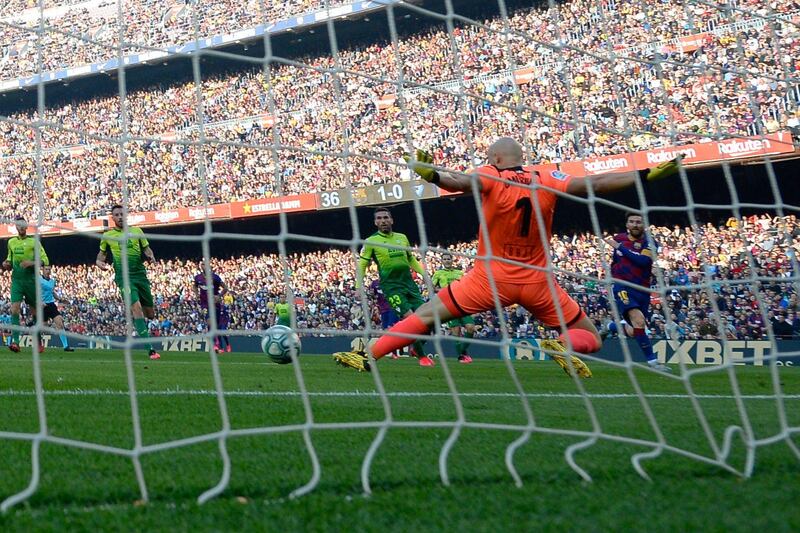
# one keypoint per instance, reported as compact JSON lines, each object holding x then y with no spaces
{"x":473,"y":294}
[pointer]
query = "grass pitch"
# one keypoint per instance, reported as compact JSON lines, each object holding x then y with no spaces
{"x":87,"y":400}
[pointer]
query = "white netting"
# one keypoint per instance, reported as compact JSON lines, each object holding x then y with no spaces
{"x":570,"y":81}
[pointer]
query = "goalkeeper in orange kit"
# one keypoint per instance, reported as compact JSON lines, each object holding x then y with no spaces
{"x":518,"y":203}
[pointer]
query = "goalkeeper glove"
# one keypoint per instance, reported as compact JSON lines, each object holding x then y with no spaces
{"x":664,"y":170}
{"x":425,"y":172}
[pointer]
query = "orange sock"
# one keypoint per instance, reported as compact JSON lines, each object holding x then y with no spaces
{"x":389,"y":343}
{"x":582,"y":341}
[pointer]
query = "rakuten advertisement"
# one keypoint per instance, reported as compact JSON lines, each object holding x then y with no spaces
{"x":739,"y":148}
{"x":177,"y":216}
{"x":56,"y":228}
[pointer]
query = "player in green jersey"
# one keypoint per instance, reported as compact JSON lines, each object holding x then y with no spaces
{"x":441,"y":279}
{"x":282,"y":312}
{"x":394,"y":270}
{"x":137,"y":286}
{"x":21,"y":261}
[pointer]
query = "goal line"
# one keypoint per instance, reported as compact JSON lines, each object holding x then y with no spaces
{"x":397,"y":394}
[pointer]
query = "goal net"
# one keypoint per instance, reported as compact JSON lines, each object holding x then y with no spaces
{"x":276,"y":130}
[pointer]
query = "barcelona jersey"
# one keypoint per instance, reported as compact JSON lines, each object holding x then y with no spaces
{"x":200,"y":283}
{"x":622,"y":268}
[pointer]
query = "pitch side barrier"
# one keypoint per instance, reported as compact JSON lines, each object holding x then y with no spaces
{"x":692,"y":352}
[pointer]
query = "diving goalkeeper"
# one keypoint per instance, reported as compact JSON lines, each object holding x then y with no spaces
{"x":514,"y":199}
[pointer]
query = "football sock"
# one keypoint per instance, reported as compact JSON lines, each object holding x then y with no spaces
{"x":419,"y":346}
{"x":582,"y":341}
{"x":141,"y":329}
{"x":644,"y":343}
{"x":460,"y":347}
{"x":388,"y":342}
{"x":467,"y":334}
{"x":15,"y":333}
{"x":64,"y":341}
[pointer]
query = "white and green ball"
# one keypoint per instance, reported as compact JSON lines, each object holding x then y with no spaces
{"x":278,"y":343}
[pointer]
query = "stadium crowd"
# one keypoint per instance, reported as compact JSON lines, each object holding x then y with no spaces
{"x":325,"y":299}
{"x":741,"y":81}
{"x":88,"y":31}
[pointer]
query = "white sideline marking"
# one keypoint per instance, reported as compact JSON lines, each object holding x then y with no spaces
{"x":373,"y":394}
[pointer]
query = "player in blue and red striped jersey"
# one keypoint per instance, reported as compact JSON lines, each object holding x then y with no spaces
{"x":632,"y":262}
{"x":388,"y":316}
{"x":221,"y":342}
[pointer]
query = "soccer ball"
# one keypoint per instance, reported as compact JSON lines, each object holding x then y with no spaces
{"x":278,"y":344}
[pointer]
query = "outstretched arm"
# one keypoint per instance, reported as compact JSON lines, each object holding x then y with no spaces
{"x":456,"y":182}
{"x":610,"y":183}
{"x":449,"y":181}
{"x":601,"y":185}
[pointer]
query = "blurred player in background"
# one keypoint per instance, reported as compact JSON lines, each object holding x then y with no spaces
{"x":5,"y":329}
{"x":283,"y":314}
{"x":222,"y":343}
{"x":138,"y":286}
{"x":513,"y":199}
{"x":632,"y":262}
{"x":395,"y":264}
{"x":50,"y":309}
{"x":388,"y":316}
{"x":441,"y":279}
{"x":21,"y":261}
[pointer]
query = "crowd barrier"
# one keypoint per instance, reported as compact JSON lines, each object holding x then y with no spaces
{"x":691,"y":352}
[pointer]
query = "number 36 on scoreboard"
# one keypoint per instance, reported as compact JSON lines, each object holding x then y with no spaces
{"x":384,"y":193}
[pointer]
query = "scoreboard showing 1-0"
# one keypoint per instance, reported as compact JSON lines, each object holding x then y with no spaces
{"x":383,"y":193}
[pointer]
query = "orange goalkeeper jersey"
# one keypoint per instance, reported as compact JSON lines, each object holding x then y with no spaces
{"x":509,"y":208}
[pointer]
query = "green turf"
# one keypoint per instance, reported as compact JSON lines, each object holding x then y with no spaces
{"x":88,"y":490}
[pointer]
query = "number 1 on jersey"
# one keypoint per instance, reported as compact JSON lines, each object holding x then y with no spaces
{"x":527,"y":210}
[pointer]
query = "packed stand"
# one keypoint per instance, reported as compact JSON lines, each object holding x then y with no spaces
{"x":88,"y":32}
{"x":314,"y":115}
{"x":325,"y":298}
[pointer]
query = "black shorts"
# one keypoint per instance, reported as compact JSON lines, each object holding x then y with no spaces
{"x":50,"y":311}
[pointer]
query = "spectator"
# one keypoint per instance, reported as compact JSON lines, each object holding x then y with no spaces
{"x":780,"y":327}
